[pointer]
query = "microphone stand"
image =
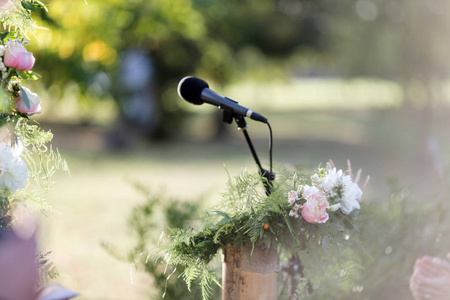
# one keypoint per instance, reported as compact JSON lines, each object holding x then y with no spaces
{"x":294,"y":269}
{"x":228,"y":116}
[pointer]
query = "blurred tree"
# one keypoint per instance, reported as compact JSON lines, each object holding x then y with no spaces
{"x":226,"y":40}
{"x":220,"y":40}
{"x":403,"y":40}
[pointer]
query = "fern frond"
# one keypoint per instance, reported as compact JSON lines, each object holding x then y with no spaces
{"x":191,"y":273}
{"x":207,"y":279}
{"x":14,"y":17}
{"x":47,"y":269}
{"x":42,"y":162}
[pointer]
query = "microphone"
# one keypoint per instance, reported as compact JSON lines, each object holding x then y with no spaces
{"x":197,"y":92}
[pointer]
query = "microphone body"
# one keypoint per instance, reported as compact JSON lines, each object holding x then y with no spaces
{"x":197,"y":92}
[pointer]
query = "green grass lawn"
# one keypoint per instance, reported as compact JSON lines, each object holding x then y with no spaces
{"x":93,"y":203}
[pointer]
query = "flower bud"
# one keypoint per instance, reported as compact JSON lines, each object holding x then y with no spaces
{"x":334,"y":207}
{"x":33,"y":99}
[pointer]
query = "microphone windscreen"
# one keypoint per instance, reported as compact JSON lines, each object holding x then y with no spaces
{"x":190,"y":89}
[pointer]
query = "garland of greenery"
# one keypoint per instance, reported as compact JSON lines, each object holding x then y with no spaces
{"x":27,"y":159}
{"x":23,"y":138}
{"x":247,"y":216}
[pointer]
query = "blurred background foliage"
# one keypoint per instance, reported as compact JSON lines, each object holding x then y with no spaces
{"x":226,"y":42}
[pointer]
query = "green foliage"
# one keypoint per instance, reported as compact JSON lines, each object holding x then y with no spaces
{"x":248,"y":216}
{"x":34,"y":5}
{"x":18,"y":18}
{"x":28,"y":75}
{"x":16,"y":15}
{"x":26,"y":101}
{"x":25,"y":141}
{"x":146,"y":223}
{"x":47,"y":269}
{"x":373,"y":262}
{"x":42,"y":161}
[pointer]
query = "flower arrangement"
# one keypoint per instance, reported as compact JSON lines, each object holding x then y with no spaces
{"x":330,"y":190}
{"x":27,"y":162}
{"x":303,"y":215}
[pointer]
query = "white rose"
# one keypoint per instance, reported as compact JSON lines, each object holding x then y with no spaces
{"x":329,"y":181}
{"x":13,"y":171}
{"x":351,"y":195}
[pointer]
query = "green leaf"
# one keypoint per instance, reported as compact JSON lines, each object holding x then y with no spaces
{"x":29,"y":75}
{"x":354,"y":213}
{"x":345,"y":243}
{"x":356,"y":226}
{"x":40,"y":4}
{"x":271,"y":230}
{"x":202,"y":244}
{"x":4,"y":35}
{"x":26,"y":101}
{"x":221,"y":213}
{"x":223,"y":221}
{"x":28,"y":6}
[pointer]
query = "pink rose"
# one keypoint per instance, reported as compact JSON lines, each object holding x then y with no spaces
{"x":33,"y":99}
{"x":17,"y":57}
{"x":315,"y":208}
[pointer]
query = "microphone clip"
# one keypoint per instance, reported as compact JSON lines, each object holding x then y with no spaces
{"x":228,"y":116}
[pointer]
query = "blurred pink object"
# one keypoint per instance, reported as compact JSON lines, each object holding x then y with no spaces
{"x":431,"y":279}
{"x":33,"y":99}
{"x":16,"y":56}
{"x":19,"y":272}
{"x":6,"y":6}
{"x":18,"y":269}
{"x":315,"y":208}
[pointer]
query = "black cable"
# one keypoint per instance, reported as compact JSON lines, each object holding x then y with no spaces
{"x":270,"y":146}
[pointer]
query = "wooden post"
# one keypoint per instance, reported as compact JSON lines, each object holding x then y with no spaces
{"x":249,"y":276}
